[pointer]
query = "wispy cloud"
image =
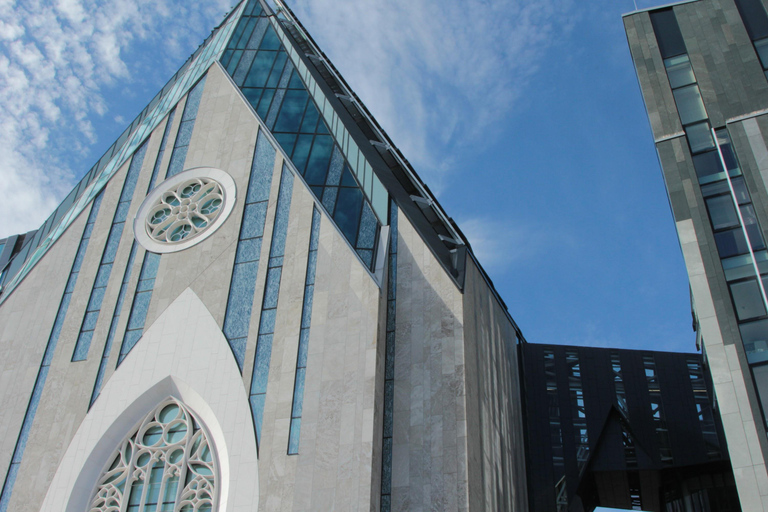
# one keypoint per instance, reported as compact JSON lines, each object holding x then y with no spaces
{"x":503,"y":244}
{"x":437,"y":74}
{"x":56,"y":59}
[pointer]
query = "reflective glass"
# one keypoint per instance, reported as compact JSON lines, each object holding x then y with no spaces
{"x":739,"y":189}
{"x":753,"y":229}
{"x":317,"y":166}
{"x":739,"y":267}
{"x":679,"y":71}
{"x":699,"y":137}
{"x":292,"y":111}
{"x":761,"y":383}
{"x":689,"y":104}
{"x":347,"y":214}
{"x":721,"y":212}
{"x":747,"y":300}
{"x":708,"y":167}
{"x":755,"y":338}
{"x":667,"y":33}
{"x":761,"y":47}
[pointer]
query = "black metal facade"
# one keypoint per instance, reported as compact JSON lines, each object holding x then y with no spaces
{"x":622,"y":428}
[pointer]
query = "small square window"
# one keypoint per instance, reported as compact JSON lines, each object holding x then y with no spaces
{"x":679,"y":71}
{"x":761,"y":47}
{"x":699,"y":137}
{"x":689,"y":104}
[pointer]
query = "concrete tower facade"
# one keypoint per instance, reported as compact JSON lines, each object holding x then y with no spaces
{"x":701,"y":67}
{"x":253,"y":302}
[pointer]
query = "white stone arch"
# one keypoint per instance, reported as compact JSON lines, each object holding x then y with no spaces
{"x":183,"y":354}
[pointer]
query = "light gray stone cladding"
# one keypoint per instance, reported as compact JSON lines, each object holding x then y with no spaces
{"x":457,"y":442}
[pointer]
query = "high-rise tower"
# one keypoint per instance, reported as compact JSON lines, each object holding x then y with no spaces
{"x":701,"y":66}
{"x":253,"y":302}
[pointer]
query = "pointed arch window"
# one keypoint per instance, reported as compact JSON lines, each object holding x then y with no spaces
{"x":166,"y":464}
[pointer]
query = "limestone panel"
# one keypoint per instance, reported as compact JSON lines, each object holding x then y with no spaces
{"x":495,"y":439}
{"x":26,"y":319}
{"x":429,"y":460}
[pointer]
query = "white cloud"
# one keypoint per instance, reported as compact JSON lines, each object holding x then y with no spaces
{"x":499,"y":245}
{"x":56,"y":58}
{"x":437,"y":74}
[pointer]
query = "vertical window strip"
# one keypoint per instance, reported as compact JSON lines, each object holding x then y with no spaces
{"x":84,"y":338}
{"x":578,"y":409}
{"x":756,"y":22}
{"x":184,"y":135}
{"x":657,"y":410}
{"x":242,"y":287}
{"x":389,"y":366}
{"x":42,"y":375}
{"x":140,"y":306}
{"x":306,"y":319}
{"x":269,"y":305}
{"x":113,"y":326}
{"x":161,"y":151}
{"x":556,"y":432}
{"x":127,"y":274}
{"x":704,"y":408}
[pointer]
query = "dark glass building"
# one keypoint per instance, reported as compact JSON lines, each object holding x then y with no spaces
{"x":624,"y":429}
{"x":701,"y":68}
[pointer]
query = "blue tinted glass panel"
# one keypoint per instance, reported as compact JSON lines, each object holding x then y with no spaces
{"x":254,"y":216}
{"x":293,"y":439}
{"x":261,"y":365}
{"x":292,"y":111}
{"x":317,"y":167}
{"x":298,"y":393}
{"x":139,"y":311}
{"x":347,"y":214}
{"x":240,"y":300}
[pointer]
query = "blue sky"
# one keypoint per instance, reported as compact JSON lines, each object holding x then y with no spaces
{"x":524,"y":117}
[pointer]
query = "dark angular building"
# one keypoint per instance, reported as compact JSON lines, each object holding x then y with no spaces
{"x":701,"y":68}
{"x":625,"y":429}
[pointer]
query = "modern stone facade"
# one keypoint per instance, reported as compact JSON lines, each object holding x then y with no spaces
{"x":715,"y":45}
{"x":453,"y":415}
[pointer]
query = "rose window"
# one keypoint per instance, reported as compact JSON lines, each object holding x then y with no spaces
{"x":185,"y":211}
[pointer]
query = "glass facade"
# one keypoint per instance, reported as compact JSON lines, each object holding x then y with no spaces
{"x":262,"y":68}
{"x":578,"y":410}
{"x":555,"y":432}
{"x":657,"y":410}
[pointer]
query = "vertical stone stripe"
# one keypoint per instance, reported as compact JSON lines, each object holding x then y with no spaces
{"x":42,"y":375}
{"x":306,"y":319}
{"x":83,"y":344}
{"x":128,"y":269}
{"x":269,"y":304}
{"x":184,"y":135}
{"x":140,"y":306}
{"x":237,"y":319}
